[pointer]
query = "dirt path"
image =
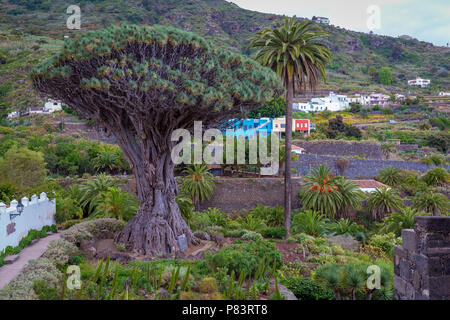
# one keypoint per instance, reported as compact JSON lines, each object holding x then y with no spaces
{"x":9,"y":271}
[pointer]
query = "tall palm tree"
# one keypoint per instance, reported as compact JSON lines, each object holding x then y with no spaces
{"x":329,"y":195}
{"x":434,"y":203}
{"x":351,"y":196}
{"x":292,"y":49}
{"x":320,"y":191}
{"x":384,"y":201}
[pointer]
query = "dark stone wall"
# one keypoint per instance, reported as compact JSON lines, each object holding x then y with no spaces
{"x":358,"y":168}
{"x":236,"y":194}
{"x":422,"y":263}
{"x":341,"y":148}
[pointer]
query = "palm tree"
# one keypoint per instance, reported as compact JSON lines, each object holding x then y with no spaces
{"x":320,"y":191}
{"x":293,"y":51}
{"x":198,"y":183}
{"x":384,"y":201}
{"x":433,"y":203}
{"x":386,"y":149}
{"x":436,"y":177}
{"x":294,"y":157}
{"x":390,"y":176}
{"x":93,"y":189}
{"x":351,"y":196}
{"x":116,"y":204}
{"x":107,"y":160}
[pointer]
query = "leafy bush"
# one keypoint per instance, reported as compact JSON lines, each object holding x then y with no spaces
{"x":386,"y":242}
{"x":275,"y":232}
{"x":273,"y":216}
{"x":251,"y":222}
{"x":309,"y":222}
{"x":344,"y":226}
{"x":252,"y":236}
{"x":85,"y":230}
{"x":245,"y":256}
{"x":305,"y":289}
{"x":22,"y":286}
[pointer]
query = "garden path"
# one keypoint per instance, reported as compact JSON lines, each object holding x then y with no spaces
{"x":31,"y":252}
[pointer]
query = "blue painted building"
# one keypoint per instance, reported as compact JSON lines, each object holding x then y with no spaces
{"x":248,"y":128}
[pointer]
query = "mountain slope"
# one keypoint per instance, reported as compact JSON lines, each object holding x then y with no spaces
{"x":30,"y":21}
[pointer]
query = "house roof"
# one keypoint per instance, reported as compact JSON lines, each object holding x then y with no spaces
{"x":369,"y":184}
{"x":214,"y":166}
{"x":297,"y":148}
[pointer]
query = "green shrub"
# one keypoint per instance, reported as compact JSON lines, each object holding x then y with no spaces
{"x":44,"y":291}
{"x":275,"y":232}
{"x":386,"y":242}
{"x":22,"y":286}
{"x":59,"y":251}
{"x":309,"y":222}
{"x":272,"y":216}
{"x":85,"y":230}
{"x":252,"y":236}
{"x":305,"y":289}
{"x":235,"y":233}
{"x":245,"y":256}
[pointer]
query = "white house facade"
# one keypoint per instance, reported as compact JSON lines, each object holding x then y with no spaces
{"x":334,"y":102}
{"x":419,"y":82}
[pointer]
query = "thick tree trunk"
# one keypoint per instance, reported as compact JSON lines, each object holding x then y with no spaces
{"x":288,"y":156}
{"x":158,"y":222}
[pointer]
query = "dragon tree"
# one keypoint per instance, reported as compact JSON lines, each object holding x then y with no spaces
{"x":140,"y":83}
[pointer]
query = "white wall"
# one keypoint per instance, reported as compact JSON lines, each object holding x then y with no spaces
{"x":37,"y":213}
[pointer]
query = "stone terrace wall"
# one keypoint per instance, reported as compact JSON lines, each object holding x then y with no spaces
{"x":358,"y":168}
{"x":422,"y":263}
{"x":234,"y":195}
{"x":341,"y":148}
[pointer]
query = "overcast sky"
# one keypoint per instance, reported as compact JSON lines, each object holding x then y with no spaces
{"x":426,"y":20}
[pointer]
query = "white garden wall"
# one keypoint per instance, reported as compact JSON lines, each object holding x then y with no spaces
{"x":37,"y":213}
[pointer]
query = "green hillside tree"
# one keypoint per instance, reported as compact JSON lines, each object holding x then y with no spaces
{"x":385,"y":76}
{"x":141,"y":83}
{"x":293,"y":50}
{"x":23,"y":168}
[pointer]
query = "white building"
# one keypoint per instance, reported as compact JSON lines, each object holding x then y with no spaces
{"x":371,"y":99}
{"x":322,"y":20}
{"x":334,"y":102}
{"x":13,"y":114}
{"x":52,"y":106}
{"x":419,"y":82}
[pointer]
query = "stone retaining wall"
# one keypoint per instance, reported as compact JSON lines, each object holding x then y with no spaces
{"x":358,"y":168}
{"x":422,"y":263}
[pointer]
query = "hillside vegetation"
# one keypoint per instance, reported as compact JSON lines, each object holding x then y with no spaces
{"x":30,"y":30}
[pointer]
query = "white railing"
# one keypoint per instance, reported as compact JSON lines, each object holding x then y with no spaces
{"x":37,"y":213}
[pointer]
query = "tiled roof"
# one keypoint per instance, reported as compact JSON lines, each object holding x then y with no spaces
{"x":370,"y":184}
